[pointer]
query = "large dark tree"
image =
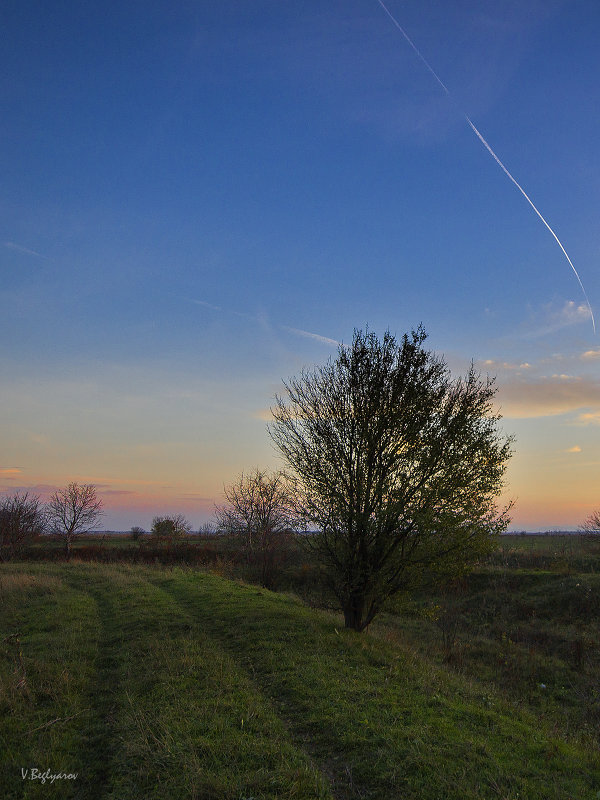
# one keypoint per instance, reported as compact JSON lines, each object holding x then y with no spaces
{"x":397,"y":466}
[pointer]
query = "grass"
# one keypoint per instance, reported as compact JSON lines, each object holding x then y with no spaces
{"x":166,"y":713}
{"x":175,"y":683}
{"x":525,"y":626}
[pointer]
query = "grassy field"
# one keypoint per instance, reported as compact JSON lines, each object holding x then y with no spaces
{"x":154,"y":682}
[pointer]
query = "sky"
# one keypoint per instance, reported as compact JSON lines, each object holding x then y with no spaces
{"x":198,"y":199}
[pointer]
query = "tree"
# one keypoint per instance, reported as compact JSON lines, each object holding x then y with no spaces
{"x":21,"y":520}
{"x":73,"y":511}
{"x":207,"y":529}
{"x":261,"y":511}
{"x":592,"y":524}
{"x":170,"y":527}
{"x":396,"y":464}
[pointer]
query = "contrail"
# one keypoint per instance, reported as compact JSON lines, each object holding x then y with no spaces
{"x":26,"y":250}
{"x":316,"y":336}
{"x":297,"y":331}
{"x":491,"y":152}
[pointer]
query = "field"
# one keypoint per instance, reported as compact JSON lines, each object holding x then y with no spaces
{"x":179,"y":682}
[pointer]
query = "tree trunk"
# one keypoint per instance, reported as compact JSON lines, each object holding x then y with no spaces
{"x":354,"y":608}
{"x":68,"y":548}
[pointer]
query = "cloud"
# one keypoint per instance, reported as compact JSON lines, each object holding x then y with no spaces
{"x":490,"y":362}
{"x":264,"y":414}
{"x":43,"y":489}
{"x":197,"y":498}
{"x":573,"y":314}
{"x":317,"y":337}
{"x":589,"y":418}
{"x":10,"y":473}
{"x":548,"y":396}
{"x":590,"y":355}
{"x":574,"y":449}
{"x":550,"y":319}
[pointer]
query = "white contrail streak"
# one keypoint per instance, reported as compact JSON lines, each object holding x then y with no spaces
{"x":316,"y":336}
{"x":491,"y":152}
{"x":532,"y":204}
{"x":415,"y":48}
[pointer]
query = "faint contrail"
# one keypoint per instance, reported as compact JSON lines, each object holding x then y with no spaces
{"x":491,"y":152}
{"x":26,"y":250}
{"x":316,"y":336}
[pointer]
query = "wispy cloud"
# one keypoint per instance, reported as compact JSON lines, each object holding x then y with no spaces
{"x":10,"y":473}
{"x":264,"y":414}
{"x":42,"y":489}
{"x":591,"y":355}
{"x":574,"y":449}
{"x":551,"y":319}
{"x":589,"y":418}
{"x":548,"y":396}
{"x":20,"y":249}
{"x":507,"y":365}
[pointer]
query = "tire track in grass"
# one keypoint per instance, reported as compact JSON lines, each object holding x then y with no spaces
{"x":336,"y":773}
{"x":97,"y":740}
{"x":381,"y":725}
{"x":183,"y":721}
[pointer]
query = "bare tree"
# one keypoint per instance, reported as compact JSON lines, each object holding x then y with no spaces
{"x":207,"y":529}
{"x":397,"y":465}
{"x":592,"y":524}
{"x":260,"y":510}
{"x":73,"y":511}
{"x":21,"y":520}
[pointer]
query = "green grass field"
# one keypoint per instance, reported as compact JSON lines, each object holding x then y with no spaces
{"x":176,"y":683}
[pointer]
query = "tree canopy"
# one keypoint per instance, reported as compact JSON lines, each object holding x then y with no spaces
{"x":396,"y":463}
{"x":72,"y":511}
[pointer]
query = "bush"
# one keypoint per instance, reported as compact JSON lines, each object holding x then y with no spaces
{"x":22,"y":519}
{"x":170,"y":527}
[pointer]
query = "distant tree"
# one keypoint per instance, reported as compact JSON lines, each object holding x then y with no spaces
{"x":261,"y":511}
{"x":397,"y":465}
{"x":22,"y":518}
{"x":137,"y":532}
{"x":73,"y":511}
{"x":207,"y":529}
{"x":592,"y":523}
{"x":170,"y":527}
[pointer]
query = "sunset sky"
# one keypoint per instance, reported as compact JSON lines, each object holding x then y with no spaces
{"x":198,"y":199}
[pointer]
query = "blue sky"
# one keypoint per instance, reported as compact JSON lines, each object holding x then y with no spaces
{"x":197,"y":199}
